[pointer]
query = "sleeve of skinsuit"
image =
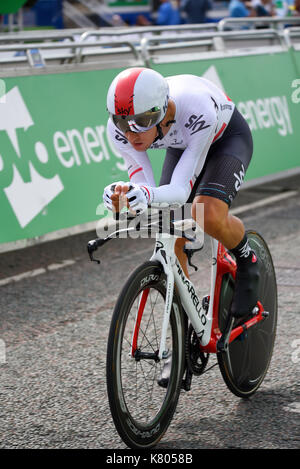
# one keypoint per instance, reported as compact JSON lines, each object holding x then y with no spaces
{"x":138,"y":163}
{"x":192,"y":159}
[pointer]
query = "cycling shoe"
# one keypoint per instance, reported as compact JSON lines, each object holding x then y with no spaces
{"x":163,"y":380}
{"x":245,"y":294}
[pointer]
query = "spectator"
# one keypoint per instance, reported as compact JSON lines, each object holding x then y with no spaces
{"x":168,"y":13}
{"x":241,"y":9}
{"x":196,"y":10}
{"x":263,"y":7}
{"x":141,"y":20}
{"x":296,"y":8}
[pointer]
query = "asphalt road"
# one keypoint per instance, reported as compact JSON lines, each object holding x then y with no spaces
{"x":53,"y":331}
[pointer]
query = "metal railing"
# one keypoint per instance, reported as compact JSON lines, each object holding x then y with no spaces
{"x":71,"y":52}
{"x":76,"y":46}
{"x":40,"y":36}
{"x":105,"y":48}
{"x":217,"y":41}
{"x":274,"y":22}
{"x":154,"y":30}
{"x":290,"y":33}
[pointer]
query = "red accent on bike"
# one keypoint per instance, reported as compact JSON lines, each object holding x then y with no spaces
{"x":191,"y":184}
{"x":220,"y":131}
{"x":134,"y":172}
{"x":125,"y":91}
{"x":240,"y":329}
{"x":254,"y":258}
{"x":138,"y":321}
{"x":225,"y":265}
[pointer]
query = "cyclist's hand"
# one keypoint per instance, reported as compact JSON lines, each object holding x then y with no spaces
{"x":138,"y":198}
{"x":114,"y":195}
{"x":119,"y":198}
{"x":121,"y":194}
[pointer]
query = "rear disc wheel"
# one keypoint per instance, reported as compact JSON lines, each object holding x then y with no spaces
{"x":246,"y":361}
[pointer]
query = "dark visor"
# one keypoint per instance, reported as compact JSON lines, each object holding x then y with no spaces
{"x":139,"y":122}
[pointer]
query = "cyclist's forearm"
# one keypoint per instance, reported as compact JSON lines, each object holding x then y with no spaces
{"x":170,"y":193}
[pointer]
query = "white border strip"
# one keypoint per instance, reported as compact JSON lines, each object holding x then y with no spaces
{"x":35,"y":272}
{"x":63,"y":233}
{"x":263,"y":202}
{"x":271,"y":178}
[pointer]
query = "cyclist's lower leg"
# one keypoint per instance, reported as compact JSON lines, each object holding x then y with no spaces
{"x":181,"y":256}
{"x":230,"y":231}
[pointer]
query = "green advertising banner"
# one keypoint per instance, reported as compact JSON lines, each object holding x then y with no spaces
{"x":55,"y":156}
{"x":128,"y":3}
{"x":10,"y":6}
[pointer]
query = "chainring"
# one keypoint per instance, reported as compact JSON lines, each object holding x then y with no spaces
{"x":196,"y":359}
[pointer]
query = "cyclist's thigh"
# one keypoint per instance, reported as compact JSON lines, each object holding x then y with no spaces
{"x":227,"y":162}
{"x":171,"y":159}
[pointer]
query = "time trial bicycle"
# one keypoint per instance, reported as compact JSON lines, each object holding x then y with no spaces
{"x":159,"y":319}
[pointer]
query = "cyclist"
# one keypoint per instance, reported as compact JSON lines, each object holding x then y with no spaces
{"x":208,"y":149}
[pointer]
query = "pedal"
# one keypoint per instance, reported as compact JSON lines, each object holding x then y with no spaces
{"x":264,"y":314}
{"x":163,"y":381}
{"x":186,"y":383}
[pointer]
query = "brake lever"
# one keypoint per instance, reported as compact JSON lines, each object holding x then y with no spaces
{"x":189,"y":254}
{"x":91,"y":247}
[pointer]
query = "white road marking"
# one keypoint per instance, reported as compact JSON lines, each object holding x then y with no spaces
{"x":64,"y":263}
{"x":263,"y":202}
{"x":293,"y":407}
{"x":35,"y":272}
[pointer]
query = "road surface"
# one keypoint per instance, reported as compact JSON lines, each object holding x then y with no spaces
{"x":56,"y":308}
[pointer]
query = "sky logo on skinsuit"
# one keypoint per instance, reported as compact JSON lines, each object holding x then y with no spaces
{"x":27,"y":199}
{"x":239,"y":178}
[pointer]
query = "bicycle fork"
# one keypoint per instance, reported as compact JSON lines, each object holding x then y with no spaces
{"x":160,"y":255}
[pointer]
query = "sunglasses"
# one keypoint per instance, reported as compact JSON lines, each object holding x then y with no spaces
{"x":138,"y":123}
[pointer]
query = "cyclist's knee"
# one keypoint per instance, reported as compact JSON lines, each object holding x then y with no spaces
{"x":214,"y":214}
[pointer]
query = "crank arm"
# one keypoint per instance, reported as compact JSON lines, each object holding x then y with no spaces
{"x":229,"y":334}
{"x":260,"y":315}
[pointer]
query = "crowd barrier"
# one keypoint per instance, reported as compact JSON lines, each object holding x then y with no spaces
{"x":55,"y":155}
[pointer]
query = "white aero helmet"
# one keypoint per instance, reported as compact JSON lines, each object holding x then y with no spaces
{"x":137,"y":99}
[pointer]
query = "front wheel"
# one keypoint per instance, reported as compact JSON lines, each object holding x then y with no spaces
{"x":246,"y":361}
{"x":141,"y":409}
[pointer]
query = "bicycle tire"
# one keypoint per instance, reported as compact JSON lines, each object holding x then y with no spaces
{"x":137,"y":430}
{"x":245,"y":363}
